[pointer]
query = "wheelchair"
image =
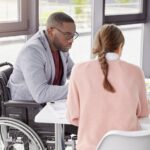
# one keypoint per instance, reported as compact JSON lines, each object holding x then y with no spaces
{"x":18,"y":131}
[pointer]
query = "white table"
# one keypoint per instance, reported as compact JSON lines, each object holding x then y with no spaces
{"x":54,"y":113}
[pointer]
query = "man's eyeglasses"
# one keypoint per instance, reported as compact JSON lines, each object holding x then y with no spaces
{"x":68,"y":35}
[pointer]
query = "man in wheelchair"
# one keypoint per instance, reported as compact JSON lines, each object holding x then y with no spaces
{"x":40,"y":73}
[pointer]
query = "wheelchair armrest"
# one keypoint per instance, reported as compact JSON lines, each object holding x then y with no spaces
{"x":21,"y":109}
{"x":22,"y":103}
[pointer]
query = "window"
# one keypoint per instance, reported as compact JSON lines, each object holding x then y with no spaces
{"x":132,"y":50}
{"x":9,"y":11}
{"x":132,"y":31}
{"x":17,"y":17}
{"x":122,"y":7}
{"x":125,"y":11}
{"x":80,"y":10}
{"x":10,"y":47}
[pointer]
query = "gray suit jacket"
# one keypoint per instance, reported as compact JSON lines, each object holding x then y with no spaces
{"x":34,"y":72}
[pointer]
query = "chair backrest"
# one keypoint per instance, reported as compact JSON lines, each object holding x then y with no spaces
{"x":5,"y":73}
{"x":125,"y":140}
{"x":4,"y":77}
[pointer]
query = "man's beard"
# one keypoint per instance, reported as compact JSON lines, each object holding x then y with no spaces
{"x":59,"y":46}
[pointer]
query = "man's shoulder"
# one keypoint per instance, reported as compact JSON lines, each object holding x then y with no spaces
{"x":34,"y":44}
{"x":35,"y":40}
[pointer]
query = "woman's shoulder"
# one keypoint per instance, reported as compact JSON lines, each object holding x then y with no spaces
{"x":128,"y":64}
{"x":131,"y":67}
{"x":85,"y":67}
{"x":86,"y":64}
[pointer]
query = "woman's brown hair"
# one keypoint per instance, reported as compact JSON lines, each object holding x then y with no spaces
{"x":108,"y":39}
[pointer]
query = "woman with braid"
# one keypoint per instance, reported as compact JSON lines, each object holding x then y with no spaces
{"x":107,"y":93}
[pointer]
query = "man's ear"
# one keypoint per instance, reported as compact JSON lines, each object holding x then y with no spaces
{"x":50,"y":30}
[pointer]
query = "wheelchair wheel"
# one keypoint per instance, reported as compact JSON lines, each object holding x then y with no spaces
{"x":15,"y":135}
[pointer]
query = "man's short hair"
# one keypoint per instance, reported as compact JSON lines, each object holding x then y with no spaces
{"x":58,"y":18}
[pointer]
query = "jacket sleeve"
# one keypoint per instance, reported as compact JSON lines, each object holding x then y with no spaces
{"x":32,"y":65}
{"x":73,"y":106}
{"x":142,"y":110}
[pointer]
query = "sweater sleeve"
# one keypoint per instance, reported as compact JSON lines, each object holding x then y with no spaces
{"x":73,"y":107}
{"x":142,"y":110}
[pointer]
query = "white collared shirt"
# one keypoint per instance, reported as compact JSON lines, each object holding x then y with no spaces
{"x":112,"y":56}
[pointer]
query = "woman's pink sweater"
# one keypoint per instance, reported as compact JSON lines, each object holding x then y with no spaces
{"x":97,"y":111}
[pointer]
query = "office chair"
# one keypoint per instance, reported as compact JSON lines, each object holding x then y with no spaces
{"x":125,"y":140}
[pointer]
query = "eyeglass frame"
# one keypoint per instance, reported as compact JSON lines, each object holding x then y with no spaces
{"x":68,"y":35}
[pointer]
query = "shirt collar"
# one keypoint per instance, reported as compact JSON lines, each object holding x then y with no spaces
{"x":111,"y":56}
